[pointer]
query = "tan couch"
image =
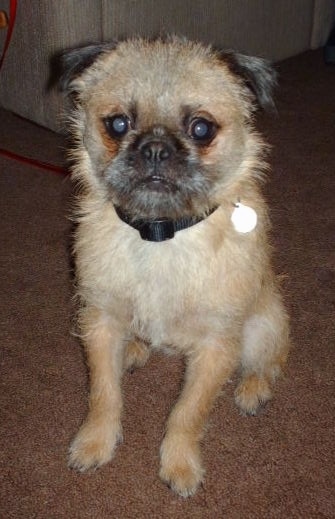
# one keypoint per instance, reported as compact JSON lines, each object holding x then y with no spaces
{"x":275,"y":29}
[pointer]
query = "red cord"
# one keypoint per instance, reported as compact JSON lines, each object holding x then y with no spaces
{"x":10,"y":154}
{"x":33,"y":162}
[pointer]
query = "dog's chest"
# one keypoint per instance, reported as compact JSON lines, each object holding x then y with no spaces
{"x":168,"y":292}
{"x":171,"y":285}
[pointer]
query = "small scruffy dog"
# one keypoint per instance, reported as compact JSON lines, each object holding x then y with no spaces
{"x":171,"y":247}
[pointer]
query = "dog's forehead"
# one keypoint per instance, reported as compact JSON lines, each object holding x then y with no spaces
{"x":162,"y":77}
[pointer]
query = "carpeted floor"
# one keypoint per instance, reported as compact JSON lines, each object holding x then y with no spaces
{"x":277,"y":465}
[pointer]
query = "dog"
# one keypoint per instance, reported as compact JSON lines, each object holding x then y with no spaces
{"x":171,"y":247}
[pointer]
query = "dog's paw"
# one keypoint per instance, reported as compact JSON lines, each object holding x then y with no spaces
{"x":94,"y":446}
{"x":252,"y":393}
{"x":136,"y":355}
{"x":181,"y":467}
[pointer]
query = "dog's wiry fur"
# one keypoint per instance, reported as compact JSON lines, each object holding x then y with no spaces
{"x":209,"y":293}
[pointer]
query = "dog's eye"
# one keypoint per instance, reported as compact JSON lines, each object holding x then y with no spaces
{"x":201,"y":130}
{"x":117,"y":125}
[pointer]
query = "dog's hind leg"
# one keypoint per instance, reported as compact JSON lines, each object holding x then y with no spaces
{"x":136,"y":354}
{"x":264,"y":352}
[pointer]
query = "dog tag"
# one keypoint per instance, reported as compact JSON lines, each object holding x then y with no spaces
{"x":244,"y":218}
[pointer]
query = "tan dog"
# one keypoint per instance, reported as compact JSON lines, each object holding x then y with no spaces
{"x":171,"y":247}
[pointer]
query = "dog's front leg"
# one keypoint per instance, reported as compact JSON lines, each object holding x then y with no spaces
{"x":207,"y":369}
{"x":96,"y":440}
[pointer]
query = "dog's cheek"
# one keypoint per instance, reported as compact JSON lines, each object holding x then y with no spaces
{"x":208,"y":154}
{"x":213,"y":157}
{"x":111,"y":146}
{"x":226,"y":152}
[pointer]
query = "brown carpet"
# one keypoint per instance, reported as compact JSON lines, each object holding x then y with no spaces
{"x":277,"y":465}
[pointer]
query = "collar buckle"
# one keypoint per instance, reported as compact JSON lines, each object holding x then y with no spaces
{"x":158,"y":230}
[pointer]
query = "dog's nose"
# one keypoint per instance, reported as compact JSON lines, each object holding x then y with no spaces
{"x":156,"y":151}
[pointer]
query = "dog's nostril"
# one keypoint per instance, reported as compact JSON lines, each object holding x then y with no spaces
{"x":155,"y":151}
{"x":164,"y":153}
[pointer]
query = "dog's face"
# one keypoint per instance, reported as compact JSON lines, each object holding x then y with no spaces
{"x":164,"y":126}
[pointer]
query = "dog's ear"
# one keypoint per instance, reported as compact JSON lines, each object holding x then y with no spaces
{"x":257,"y":73}
{"x":72,"y":63}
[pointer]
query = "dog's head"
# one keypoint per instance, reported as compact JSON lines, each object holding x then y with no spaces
{"x":161,"y":128}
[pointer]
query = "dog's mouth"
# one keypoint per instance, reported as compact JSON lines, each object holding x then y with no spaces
{"x":173,"y":191}
{"x":157,"y":183}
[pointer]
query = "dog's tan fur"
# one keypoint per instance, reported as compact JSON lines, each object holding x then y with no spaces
{"x":209,"y":293}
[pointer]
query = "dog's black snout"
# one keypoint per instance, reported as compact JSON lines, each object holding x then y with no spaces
{"x":156,"y":151}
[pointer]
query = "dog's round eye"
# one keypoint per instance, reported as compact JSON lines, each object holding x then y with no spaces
{"x":117,"y":125}
{"x":201,"y":130}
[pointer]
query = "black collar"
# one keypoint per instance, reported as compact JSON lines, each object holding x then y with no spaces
{"x":161,"y":229}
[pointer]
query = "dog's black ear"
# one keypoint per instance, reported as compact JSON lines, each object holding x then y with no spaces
{"x":257,"y":73}
{"x":72,"y":63}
